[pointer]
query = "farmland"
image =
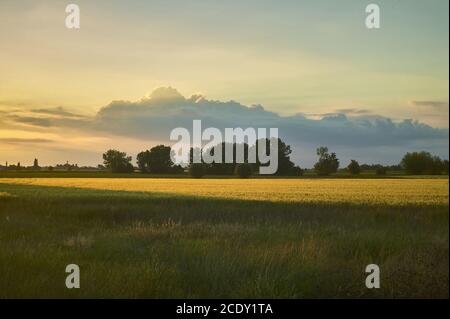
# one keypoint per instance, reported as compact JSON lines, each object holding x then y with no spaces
{"x":255,"y":238}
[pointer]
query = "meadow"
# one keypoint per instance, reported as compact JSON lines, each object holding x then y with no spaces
{"x":223,"y":238}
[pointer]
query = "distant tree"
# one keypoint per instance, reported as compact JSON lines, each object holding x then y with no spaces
{"x":50,"y":168}
{"x":353,"y":167}
{"x":417,"y":163}
{"x":157,"y":160}
{"x":117,"y":162}
{"x":381,"y":170}
{"x":243,"y":170}
{"x":36,"y":164}
{"x":435,"y":166}
{"x":176,"y":169}
{"x":445,"y":167}
{"x":143,"y":161}
{"x":297,"y":171}
{"x":285,"y":166}
{"x":222,"y":167}
{"x":327,"y":164}
{"x":397,"y":167}
{"x":197,"y":170}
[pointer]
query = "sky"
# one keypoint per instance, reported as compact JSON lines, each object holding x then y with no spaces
{"x":312,"y":68}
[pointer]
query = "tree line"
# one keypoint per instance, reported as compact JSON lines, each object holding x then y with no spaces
{"x":157,"y":160}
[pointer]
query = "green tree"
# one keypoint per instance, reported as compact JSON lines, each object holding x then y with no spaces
{"x":327,"y":164}
{"x":224,"y":168}
{"x":36,"y":164}
{"x":353,"y":167}
{"x":417,"y":163}
{"x":143,"y":161}
{"x":117,"y":162}
{"x":197,"y":170}
{"x":157,"y":160}
{"x":380,"y":170}
{"x":445,"y":167}
{"x":297,"y":171}
{"x":243,"y":170}
{"x":285,"y":166}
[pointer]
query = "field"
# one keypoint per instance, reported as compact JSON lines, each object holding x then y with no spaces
{"x":211,"y":238}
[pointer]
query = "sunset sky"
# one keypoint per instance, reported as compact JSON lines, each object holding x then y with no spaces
{"x":310,"y":67}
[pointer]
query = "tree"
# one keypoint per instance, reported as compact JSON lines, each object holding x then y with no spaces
{"x":353,"y":167}
{"x":285,"y":166}
{"x":143,"y":161}
{"x":36,"y":164}
{"x":417,"y":163}
{"x":157,"y":160}
{"x":445,"y":166}
{"x":327,"y":164}
{"x":297,"y":171}
{"x":435,"y":166}
{"x":380,"y":170}
{"x":243,"y":170}
{"x":224,"y":168}
{"x":197,"y":170}
{"x":117,"y":162}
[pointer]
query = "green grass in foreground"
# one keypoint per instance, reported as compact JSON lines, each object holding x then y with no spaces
{"x":135,"y":244}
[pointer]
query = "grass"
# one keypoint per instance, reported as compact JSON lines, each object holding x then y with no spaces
{"x":105,"y":174}
{"x":211,"y":238}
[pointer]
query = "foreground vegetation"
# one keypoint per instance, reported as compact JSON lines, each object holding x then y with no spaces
{"x":255,"y":238}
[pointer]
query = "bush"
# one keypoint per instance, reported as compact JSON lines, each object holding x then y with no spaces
{"x":243,"y":170}
{"x":197,"y":170}
{"x":354,"y":167}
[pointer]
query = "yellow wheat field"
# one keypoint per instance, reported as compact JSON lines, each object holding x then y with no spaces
{"x":391,"y":192}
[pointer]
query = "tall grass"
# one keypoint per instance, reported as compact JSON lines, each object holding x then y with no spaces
{"x":161,"y":244}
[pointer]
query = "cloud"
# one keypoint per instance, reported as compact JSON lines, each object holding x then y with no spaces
{"x":166,"y":109}
{"x":351,"y":111}
{"x":433,"y":104}
{"x":352,"y":133}
{"x":15,"y":140}
{"x":46,"y":118}
{"x":36,"y":121}
{"x":57,"y":111}
{"x":359,"y":133}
